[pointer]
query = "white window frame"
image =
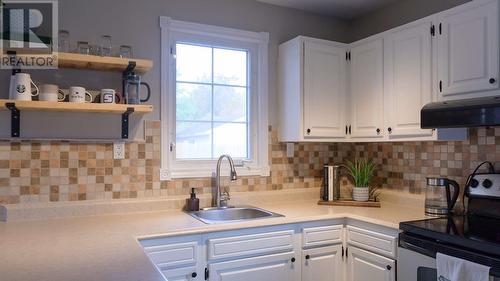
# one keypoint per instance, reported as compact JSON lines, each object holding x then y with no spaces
{"x":258,"y":164}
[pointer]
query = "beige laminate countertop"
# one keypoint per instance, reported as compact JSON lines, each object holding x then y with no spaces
{"x":105,"y":248}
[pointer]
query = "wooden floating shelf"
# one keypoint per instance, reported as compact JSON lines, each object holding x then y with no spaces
{"x":80,"y":61}
{"x":76,"y":107}
{"x":16,"y":107}
{"x":373,"y":204}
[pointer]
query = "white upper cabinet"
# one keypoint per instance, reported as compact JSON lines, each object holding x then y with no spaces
{"x":468,"y":50}
{"x":312,"y":94}
{"x":324,"y":90}
{"x":408,"y":76}
{"x":367,"y":92}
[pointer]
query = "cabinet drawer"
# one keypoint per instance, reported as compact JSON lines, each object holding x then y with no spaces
{"x":373,"y":241}
{"x":181,"y":254}
{"x":322,"y":235}
{"x":250,"y":244}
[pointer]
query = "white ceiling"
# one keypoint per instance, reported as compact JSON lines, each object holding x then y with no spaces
{"x":345,"y":9}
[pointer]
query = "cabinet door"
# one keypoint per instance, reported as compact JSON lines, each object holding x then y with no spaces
{"x":363,"y":265}
{"x":324,"y":90}
{"x":322,"y":264}
{"x":468,"y":50}
{"x":182,"y":274}
{"x":277,"y":267}
{"x":367,"y":104}
{"x":408,"y":76}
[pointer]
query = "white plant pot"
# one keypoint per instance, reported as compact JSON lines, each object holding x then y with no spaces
{"x":361,"y":193}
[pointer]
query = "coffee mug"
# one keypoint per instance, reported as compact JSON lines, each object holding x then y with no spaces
{"x":20,"y":87}
{"x":79,"y":95}
{"x":109,"y":96}
{"x":51,"y":92}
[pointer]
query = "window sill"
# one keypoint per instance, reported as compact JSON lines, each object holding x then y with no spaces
{"x":166,"y":174}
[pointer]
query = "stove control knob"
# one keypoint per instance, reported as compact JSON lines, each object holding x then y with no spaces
{"x":487,"y":183}
{"x":474,"y":183}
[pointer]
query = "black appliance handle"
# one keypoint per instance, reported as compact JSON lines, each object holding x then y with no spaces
{"x":456,"y":192}
{"x":149,"y":92}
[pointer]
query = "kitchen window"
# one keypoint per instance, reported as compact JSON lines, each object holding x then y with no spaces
{"x":213,"y":99}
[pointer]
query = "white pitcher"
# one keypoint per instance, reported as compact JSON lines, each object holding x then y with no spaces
{"x":20,"y":87}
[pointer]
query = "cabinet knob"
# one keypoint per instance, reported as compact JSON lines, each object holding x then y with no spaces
{"x":388,"y":267}
{"x":378,"y":131}
{"x":389,"y":130}
{"x":308,"y":131}
{"x":293,"y":259}
{"x":194,"y":274}
{"x":493,"y":80}
{"x":308,"y":257}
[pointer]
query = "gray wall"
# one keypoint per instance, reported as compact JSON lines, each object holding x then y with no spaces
{"x":399,"y":13}
{"x":136,"y":23}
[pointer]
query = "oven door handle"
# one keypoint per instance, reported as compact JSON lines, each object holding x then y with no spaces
{"x":414,"y":248}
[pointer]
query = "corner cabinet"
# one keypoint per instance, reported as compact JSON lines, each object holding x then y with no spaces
{"x":364,"y":265}
{"x":367,"y":89}
{"x":468,"y":50}
{"x":322,"y":264}
{"x":312,"y":75}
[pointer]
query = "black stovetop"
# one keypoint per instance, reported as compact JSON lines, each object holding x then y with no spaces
{"x":477,"y":233}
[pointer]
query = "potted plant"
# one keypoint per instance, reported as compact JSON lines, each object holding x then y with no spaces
{"x":361,"y":172}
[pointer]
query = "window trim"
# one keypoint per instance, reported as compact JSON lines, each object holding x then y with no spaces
{"x":171,"y":169}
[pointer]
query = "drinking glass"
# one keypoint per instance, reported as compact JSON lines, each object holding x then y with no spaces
{"x":106,"y":46}
{"x":63,"y":43}
{"x":125,"y":51}
{"x":83,"y":47}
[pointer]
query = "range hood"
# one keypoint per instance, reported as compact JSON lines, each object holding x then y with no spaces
{"x":480,"y":112}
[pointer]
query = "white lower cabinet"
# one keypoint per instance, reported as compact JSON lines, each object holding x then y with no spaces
{"x":364,"y":265}
{"x":322,"y":264}
{"x":275,"y":267}
{"x":312,"y":251}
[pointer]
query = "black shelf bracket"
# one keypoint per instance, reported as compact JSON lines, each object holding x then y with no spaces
{"x":125,"y":122}
{"x":13,"y":55}
{"x":15,"y":119}
{"x":130,"y":68}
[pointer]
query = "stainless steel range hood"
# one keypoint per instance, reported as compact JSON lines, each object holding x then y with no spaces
{"x":481,"y":112}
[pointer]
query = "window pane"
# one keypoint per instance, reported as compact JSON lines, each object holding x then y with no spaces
{"x":194,"y":63}
{"x":230,"y":138}
{"x":230,"y":104}
{"x":230,"y":67}
{"x":193,"y":140}
{"x":193,"y":102}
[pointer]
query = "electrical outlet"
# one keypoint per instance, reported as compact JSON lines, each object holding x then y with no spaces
{"x":119,"y":150}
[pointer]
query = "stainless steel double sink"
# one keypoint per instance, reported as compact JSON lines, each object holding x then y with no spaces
{"x":232,"y":214}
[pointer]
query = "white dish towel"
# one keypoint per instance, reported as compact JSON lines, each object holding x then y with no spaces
{"x":455,"y":269}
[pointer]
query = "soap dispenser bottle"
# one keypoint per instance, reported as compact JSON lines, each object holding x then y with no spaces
{"x":192,"y":203}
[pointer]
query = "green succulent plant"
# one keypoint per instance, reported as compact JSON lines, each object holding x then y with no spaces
{"x":361,"y":171}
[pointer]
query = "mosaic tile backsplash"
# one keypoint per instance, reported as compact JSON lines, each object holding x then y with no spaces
{"x":52,"y":171}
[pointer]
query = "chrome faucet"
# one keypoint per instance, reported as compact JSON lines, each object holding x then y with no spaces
{"x":221,"y":197}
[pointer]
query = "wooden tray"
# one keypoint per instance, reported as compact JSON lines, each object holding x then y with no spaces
{"x":372,"y":204}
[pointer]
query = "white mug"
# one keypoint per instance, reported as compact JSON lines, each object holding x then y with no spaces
{"x":51,"y":92}
{"x":20,"y":87}
{"x":79,"y":95}
{"x":109,"y":96}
